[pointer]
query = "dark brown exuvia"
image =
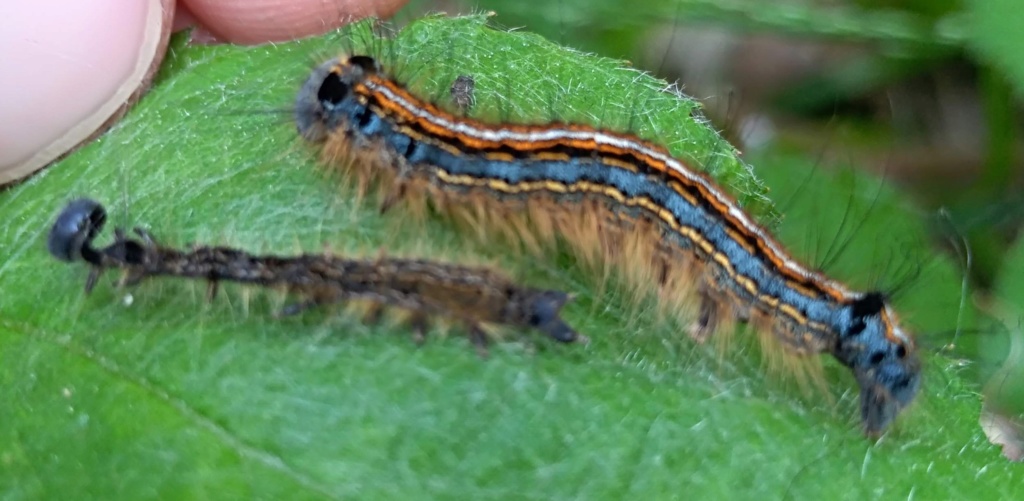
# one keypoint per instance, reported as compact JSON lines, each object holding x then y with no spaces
{"x":473,"y":296}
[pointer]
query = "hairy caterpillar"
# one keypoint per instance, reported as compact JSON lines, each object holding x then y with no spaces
{"x":616,"y":199}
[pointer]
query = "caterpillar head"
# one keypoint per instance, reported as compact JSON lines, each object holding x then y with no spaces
{"x":326,"y":99}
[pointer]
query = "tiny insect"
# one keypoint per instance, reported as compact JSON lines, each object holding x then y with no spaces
{"x":472,"y":296}
{"x":462,"y":93}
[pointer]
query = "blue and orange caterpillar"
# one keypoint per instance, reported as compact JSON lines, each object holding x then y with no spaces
{"x":616,"y":200}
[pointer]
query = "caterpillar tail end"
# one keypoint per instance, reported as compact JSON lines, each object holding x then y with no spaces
{"x":545,"y":317}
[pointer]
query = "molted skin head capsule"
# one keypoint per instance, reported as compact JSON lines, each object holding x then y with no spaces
{"x":76,"y":226}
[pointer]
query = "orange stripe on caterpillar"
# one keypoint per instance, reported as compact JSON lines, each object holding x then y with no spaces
{"x":597,"y":189}
{"x":470,"y":295}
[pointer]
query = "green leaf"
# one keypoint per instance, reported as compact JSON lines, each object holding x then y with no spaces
{"x":997,"y":36}
{"x":152,"y":393}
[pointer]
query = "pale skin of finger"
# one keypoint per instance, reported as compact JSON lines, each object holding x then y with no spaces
{"x":259,"y":21}
{"x":68,"y":70}
{"x":75,"y":67}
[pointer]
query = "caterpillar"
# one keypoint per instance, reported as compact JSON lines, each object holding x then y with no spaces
{"x":616,"y":200}
{"x":470,"y":295}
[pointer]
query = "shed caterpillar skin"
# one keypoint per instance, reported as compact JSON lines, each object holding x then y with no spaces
{"x":616,"y":200}
{"x":470,"y":295}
